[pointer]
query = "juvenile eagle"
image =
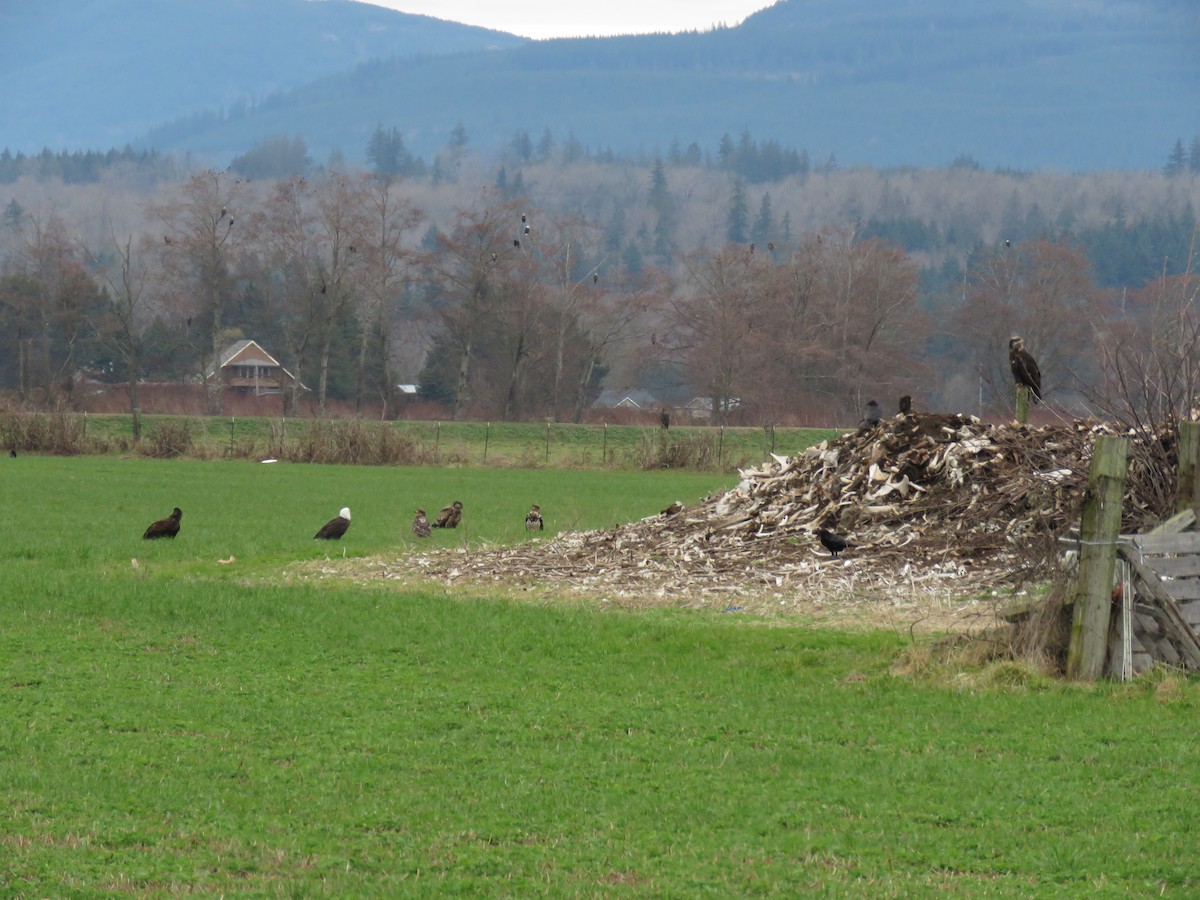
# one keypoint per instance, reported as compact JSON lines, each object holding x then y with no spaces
{"x":335,"y":527}
{"x":534,"y":520}
{"x":905,"y":405}
{"x":871,"y":416}
{"x":420,"y":524}
{"x":164,"y":528}
{"x":450,"y":516}
{"x":1024,"y":367}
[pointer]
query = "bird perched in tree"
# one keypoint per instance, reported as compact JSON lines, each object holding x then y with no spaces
{"x":1024,"y":367}
{"x":164,"y":528}
{"x":420,"y":524}
{"x":834,"y":543}
{"x":905,"y":405}
{"x":450,"y":516}
{"x":335,"y":527}
{"x":534,"y":520}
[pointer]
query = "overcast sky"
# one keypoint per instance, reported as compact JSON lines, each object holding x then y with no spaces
{"x":581,"y":18}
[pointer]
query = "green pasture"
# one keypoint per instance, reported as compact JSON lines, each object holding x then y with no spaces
{"x":505,"y":444}
{"x":191,"y":727}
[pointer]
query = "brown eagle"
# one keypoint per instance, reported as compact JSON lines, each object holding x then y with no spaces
{"x":1024,"y":367}
{"x":450,"y":516}
{"x":164,"y":528}
{"x":420,"y":524}
{"x":534,"y":520}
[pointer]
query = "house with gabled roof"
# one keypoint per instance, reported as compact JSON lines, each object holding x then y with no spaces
{"x":246,"y":368}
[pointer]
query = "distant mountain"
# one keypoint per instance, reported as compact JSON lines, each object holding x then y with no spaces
{"x":1066,"y":84}
{"x":94,"y":74}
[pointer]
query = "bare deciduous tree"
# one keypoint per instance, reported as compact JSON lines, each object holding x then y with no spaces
{"x":199,"y":240}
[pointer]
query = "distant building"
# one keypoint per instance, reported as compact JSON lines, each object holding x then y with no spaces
{"x":702,"y":407}
{"x":634,"y":399}
{"x":246,"y":368}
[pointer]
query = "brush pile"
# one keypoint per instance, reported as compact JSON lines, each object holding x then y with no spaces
{"x":927,"y":502}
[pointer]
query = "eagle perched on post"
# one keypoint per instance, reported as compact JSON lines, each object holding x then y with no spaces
{"x":1024,"y":367}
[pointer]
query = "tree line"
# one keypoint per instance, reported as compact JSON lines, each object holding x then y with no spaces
{"x":524,"y":303}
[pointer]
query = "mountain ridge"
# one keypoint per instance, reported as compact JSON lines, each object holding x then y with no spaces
{"x":1054,"y":84}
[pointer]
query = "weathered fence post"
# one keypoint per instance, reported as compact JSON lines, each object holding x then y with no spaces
{"x":1185,"y":478}
{"x":1022,"y":404}
{"x":1099,"y":530}
{"x":487,"y":433}
{"x":604,"y":446}
{"x":547,"y":442}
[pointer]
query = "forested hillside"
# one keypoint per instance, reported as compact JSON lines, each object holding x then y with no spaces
{"x":1028,"y":85}
{"x":80,"y":74}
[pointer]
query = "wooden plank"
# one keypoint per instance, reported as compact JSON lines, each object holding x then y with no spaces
{"x":1183,"y":589}
{"x":1181,"y":521}
{"x":1180,"y":629}
{"x":1174,"y":566}
{"x":1187,"y":542}
{"x":1191,"y":612}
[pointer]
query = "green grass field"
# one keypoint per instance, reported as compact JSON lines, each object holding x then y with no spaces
{"x":528,"y":445}
{"x":187,"y":726}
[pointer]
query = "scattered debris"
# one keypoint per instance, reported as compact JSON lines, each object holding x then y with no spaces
{"x":935,"y":507}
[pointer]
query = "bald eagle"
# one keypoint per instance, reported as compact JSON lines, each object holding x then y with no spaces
{"x":905,"y":405}
{"x":335,"y":527}
{"x":534,"y":520}
{"x":450,"y":516}
{"x":164,"y":528}
{"x":1024,"y":367}
{"x":420,"y":524}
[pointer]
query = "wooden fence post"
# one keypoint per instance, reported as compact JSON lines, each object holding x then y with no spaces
{"x":1099,"y":530}
{"x":1022,"y":404}
{"x":1185,"y":478}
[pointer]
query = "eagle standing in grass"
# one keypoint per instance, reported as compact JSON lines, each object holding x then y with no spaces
{"x":335,"y":527}
{"x":450,"y":516}
{"x":164,"y":528}
{"x":421,"y":524}
{"x":1024,"y":367}
{"x":834,"y":543}
{"x":534,"y":520}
